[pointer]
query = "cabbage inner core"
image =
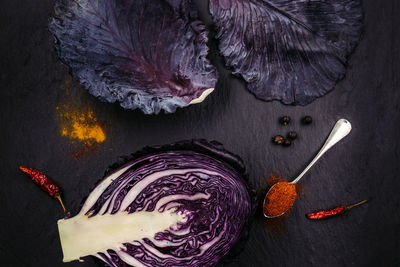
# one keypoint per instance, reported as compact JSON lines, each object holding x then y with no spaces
{"x":83,"y":235}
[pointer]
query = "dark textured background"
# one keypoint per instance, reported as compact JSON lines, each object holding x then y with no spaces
{"x":365,"y":164}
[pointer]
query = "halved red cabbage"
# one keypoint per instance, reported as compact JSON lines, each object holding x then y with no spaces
{"x":288,"y":50}
{"x":188,"y":200}
{"x":144,"y":54}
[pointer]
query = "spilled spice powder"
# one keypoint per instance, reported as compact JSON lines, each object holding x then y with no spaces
{"x":277,"y":224}
{"x":78,"y":122}
{"x":86,"y":149}
{"x":82,"y":126}
{"x":273,"y":179}
{"x":280,"y":198}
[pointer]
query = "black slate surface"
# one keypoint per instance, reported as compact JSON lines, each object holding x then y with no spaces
{"x":364,"y":165}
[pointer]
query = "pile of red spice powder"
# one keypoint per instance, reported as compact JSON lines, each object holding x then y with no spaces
{"x":281,"y":197}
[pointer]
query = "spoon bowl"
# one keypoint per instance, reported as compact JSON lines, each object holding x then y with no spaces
{"x":266,"y":197}
{"x":341,"y":129}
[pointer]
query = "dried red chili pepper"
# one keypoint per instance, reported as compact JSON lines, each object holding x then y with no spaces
{"x":44,"y":182}
{"x":323,"y":214}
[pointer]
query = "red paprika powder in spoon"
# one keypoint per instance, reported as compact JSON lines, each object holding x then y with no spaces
{"x":279,"y":199}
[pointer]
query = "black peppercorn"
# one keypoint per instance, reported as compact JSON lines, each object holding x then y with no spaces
{"x":307,"y":120}
{"x":278,"y":139}
{"x":285,"y":120}
{"x":286,"y":142}
{"x":292,"y":135}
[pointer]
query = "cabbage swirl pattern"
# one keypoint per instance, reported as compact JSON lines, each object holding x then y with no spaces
{"x":209,"y":192}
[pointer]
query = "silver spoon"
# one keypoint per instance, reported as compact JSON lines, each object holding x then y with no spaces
{"x":339,"y":131}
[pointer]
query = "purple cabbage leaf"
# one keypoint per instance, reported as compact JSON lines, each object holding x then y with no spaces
{"x":293,"y":51}
{"x":144,"y":54}
{"x":183,"y":204}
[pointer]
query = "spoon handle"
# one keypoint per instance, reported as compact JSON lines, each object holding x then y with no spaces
{"x":339,"y":131}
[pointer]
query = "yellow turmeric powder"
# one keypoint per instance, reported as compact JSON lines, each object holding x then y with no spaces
{"x":81,"y":126}
{"x":77,"y":120}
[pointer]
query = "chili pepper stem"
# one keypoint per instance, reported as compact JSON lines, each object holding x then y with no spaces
{"x":357,"y":204}
{"x":62,"y":204}
{"x":44,"y":182}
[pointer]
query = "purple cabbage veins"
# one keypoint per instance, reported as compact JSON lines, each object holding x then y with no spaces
{"x":292,"y":51}
{"x":143,"y":54}
{"x":151,"y":55}
{"x":180,"y":205}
